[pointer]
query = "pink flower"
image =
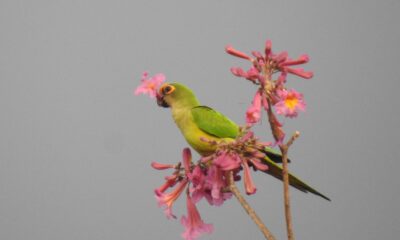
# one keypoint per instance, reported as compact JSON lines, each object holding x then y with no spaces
{"x":170,"y":182}
{"x":215,"y":183}
{"x":258,"y":165}
{"x":194,"y":225}
{"x":209,"y":184}
{"x":167,"y":200}
{"x":248,"y":181}
{"x":229,"y":49}
{"x":227,"y":161}
{"x":161,"y":166}
{"x":197,"y":178}
{"x":187,"y":159}
{"x":253,"y":113}
{"x":252,"y":74}
{"x":300,"y":72}
{"x":289,"y":103}
{"x":150,"y":85}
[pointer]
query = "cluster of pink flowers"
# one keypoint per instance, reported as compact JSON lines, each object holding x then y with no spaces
{"x":209,"y":179}
{"x":272,"y":92}
{"x":199,"y":182}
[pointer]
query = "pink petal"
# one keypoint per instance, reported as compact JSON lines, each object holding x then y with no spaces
{"x":238,"y":72}
{"x":281,"y":57}
{"x":194,"y":225}
{"x":256,"y":54}
{"x":300,"y":72}
{"x":187,"y":158}
{"x":301,"y":60}
{"x":161,"y":166}
{"x":268,"y":47}
{"x":252,"y":73}
{"x":167,"y":199}
{"x":170,"y":182}
{"x":248,"y":181}
{"x":257,"y":163}
{"x":253,"y":113}
{"x":227,"y":162}
{"x":229,"y":49}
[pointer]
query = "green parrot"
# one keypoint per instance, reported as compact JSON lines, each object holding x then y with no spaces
{"x":197,"y":122}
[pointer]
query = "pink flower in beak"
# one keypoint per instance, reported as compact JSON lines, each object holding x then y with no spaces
{"x":149,"y":85}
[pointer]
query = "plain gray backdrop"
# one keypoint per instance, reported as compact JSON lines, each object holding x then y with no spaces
{"x":76,"y":144}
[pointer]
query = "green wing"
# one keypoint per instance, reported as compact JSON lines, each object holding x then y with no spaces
{"x":214,"y":123}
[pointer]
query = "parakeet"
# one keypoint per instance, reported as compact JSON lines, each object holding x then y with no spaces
{"x":197,"y":122}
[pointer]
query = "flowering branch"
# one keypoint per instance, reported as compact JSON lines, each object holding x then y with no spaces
{"x":250,"y":211}
{"x":272,"y":93}
{"x":213,"y":177}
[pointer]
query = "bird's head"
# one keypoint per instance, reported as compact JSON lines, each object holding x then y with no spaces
{"x":176,"y":94}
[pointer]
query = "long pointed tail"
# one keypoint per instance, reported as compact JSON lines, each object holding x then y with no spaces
{"x":275,"y":170}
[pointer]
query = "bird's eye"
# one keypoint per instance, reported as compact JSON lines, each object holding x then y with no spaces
{"x":168,"y":89}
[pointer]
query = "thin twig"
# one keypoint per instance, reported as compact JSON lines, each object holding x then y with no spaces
{"x":286,"y":195}
{"x":278,"y":134}
{"x":250,"y":211}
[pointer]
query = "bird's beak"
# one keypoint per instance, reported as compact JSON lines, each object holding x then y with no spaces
{"x":160,"y":101}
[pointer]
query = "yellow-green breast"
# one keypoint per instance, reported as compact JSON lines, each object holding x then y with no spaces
{"x":192,"y":133}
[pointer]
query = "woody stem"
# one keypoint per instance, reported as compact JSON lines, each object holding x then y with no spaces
{"x":249,"y":210}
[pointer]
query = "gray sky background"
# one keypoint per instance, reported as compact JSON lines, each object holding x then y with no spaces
{"x":76,"y":145}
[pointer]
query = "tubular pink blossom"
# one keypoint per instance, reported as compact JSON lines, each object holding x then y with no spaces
{"x":281,"y":79}
{"x":198,"y":180}
{"x":168,"y":199}
{"x":252,"y":73}
{"x":281,"y":57}
{"x":229,"y":49}
{"x":258,"y":154}
{"x":187,"y":159}
{"x":170,"y":182}
{"x":300,"y":72}
{"x":268,"y":47}
{"x":258,"y":164}
{"x":248,"y":181}
{"x":237,"y":71}
{"x":161,"y":166}
{"x":216,"y":182}
{"x":301,"y":60}
{"x":257,"y":54}
{"x":194,"y":225}
{"x":253,"y":113}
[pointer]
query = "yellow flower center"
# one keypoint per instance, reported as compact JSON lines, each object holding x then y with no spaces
{"x":291,"y":101}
